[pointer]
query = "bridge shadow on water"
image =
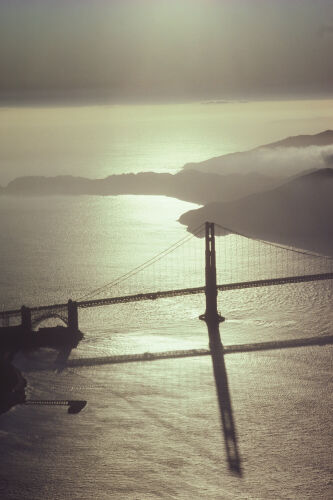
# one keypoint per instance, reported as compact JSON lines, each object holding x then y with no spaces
{"x":224,"y":399}
{"x":63,"y":362}
{"x":217,"y":352}
{"x":225,"y":407}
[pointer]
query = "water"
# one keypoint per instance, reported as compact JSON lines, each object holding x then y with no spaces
{"x":151,"y":429}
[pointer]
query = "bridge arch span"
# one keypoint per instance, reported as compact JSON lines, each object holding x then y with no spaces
{"x":49,"y":315}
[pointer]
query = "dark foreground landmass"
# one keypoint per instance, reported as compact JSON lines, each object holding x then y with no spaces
{"x":14,"y":339}
{"x":12,"y":383}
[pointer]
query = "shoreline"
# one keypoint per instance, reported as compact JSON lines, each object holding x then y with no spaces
{"x":12,"y":382}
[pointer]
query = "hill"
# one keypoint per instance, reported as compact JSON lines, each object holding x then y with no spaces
{"x":297,"y":213}
{"x":193,"y":186}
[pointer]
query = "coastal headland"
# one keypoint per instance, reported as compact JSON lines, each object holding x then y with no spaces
{"x":281,"y":192}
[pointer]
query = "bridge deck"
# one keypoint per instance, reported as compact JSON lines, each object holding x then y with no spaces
{"x":174,"y":293}
{"x":201,"y":289}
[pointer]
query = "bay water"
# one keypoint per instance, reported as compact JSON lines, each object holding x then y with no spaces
{"x":152,"y":429}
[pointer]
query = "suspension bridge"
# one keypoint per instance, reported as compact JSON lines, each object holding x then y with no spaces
{"x":236,"y":263}
{"x":315,"y":268}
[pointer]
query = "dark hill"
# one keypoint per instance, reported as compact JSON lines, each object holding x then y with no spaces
{"x":298,"y":213}
{"x":303,"y":141}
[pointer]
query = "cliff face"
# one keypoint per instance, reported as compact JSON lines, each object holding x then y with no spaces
{"x":298,"y":213}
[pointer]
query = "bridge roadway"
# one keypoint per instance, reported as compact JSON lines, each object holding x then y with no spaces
{"x":201,"y":289}
{"x":174,"y":293}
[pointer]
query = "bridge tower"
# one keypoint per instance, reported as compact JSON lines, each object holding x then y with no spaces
{"x":211,"y":315}
{"x":26,"y":318}
{"x":73,"y":317}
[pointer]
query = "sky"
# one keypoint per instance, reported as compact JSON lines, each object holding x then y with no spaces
{"x":166,"y":50}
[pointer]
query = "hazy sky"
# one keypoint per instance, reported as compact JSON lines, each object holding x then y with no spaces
{"x":167,"y":49}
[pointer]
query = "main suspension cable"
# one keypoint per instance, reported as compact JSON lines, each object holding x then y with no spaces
{"x":143,"y":266}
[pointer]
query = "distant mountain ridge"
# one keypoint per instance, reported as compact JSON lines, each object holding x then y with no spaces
{"x":302,"y":141}
{"x":195,"y":187}
{"x":276,"y":154}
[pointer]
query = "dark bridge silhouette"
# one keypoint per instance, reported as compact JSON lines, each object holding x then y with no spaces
{"x":68,"y":314}
{"x":42,"y":313}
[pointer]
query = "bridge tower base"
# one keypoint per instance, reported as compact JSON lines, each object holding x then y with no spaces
{"x":26,"y":322}
{"x":73,"y":316}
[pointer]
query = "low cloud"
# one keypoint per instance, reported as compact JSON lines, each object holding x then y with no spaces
{"x":288,"y":161}
{"x":274,"y":162}
{"x":329,"y":160}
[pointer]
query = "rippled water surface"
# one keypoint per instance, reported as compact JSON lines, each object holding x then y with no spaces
{"x":152,"y":429}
